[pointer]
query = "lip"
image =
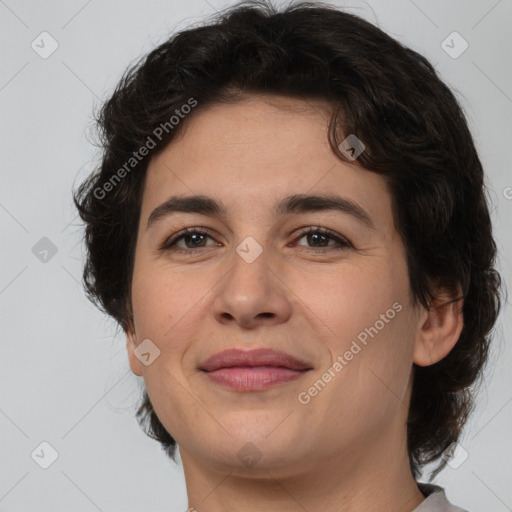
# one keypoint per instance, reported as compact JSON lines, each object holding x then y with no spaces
{"x":251,"y":358}
{"x":253,"y":370}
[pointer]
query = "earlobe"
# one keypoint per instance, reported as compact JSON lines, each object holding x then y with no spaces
{"x":135,"y":364}
{"x":440,"y":330}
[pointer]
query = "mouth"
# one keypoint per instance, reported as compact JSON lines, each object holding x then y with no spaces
{"x":253,"y":370}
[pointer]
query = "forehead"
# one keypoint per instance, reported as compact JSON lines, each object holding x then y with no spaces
{"x":257,"y":151}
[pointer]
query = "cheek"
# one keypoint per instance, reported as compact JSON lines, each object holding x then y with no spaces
{"x":168,"y":308}
{"x":153,"y":309}
{"x":160,"y":297}
{"x":163,"y":312}
{"x":354,"y":297}
{"x":367,"y":310}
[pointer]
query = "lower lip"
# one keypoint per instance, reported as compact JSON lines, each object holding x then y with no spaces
{"x":255,"y":378}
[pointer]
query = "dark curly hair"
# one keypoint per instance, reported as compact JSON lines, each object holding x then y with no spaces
{"x":390,"y":97}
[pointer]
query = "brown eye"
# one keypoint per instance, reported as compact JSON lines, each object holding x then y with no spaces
{"x":192,"y":239}
{"x":321,"y":238}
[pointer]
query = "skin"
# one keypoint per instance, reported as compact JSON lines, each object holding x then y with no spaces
{"x":346,"y":448}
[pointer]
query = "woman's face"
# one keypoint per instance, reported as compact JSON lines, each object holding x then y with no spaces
{"x":258,"y":280}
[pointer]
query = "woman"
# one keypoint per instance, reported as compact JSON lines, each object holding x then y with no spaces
{"x":290,"y":225}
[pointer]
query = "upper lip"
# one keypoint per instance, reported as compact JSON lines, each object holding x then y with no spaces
{"x":256,"y":357}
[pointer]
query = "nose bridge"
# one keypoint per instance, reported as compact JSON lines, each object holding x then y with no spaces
{"x":251,"y":291}
{"x":251,"y":264}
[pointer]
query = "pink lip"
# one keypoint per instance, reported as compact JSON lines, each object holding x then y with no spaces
{"x":256,"y":378}
{"x":253,"y":370}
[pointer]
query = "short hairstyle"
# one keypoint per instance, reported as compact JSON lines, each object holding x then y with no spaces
{"x":415,"y":136}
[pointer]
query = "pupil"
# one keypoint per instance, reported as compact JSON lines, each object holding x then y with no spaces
{"x":312,"y":235}
{"x":195,"y":238}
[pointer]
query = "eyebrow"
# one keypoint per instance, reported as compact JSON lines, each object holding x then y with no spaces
{"x":295,"y":204}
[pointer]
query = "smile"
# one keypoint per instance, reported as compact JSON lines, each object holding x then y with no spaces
{"x":256,"y":378}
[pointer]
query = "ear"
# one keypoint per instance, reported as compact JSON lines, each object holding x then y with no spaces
{"x":439,"y":327}
{"x":131,"y":345}
{"x":131,"y":340}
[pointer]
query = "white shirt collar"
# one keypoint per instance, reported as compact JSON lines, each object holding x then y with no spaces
{"x":436,"y":500}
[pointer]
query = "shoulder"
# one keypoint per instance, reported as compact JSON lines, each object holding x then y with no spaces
{"x":436,"y":500}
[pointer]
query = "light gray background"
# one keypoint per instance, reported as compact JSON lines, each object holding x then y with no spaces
{"x":64,"y":372}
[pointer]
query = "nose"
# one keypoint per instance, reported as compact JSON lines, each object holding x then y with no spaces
{"x":252,"y":294}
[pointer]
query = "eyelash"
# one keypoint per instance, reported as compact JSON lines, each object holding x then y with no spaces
{"x":169,"y":244}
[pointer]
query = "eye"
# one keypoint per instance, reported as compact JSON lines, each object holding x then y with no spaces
{"x":321,"y":238}
{"x":192,"y":239}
